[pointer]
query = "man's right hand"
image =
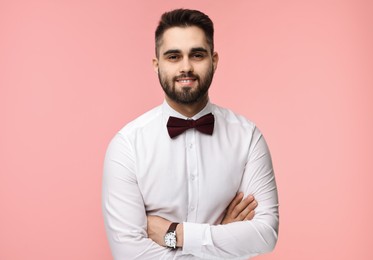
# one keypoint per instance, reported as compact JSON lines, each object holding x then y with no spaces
{"x":240,"y":209}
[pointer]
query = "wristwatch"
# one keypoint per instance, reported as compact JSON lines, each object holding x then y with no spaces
{"x":170,"y":237}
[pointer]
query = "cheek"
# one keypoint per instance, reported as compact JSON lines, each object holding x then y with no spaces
{"x":166,"y":73}
{"x":165,"y":77}
{"x":162,"y":69}
{"x":163,"y":74}
{"x":204,"y":71}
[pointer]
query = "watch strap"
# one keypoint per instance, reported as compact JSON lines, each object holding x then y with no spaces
{"x":172,"y":227}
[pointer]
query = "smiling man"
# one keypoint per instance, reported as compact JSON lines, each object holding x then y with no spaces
{"x":180,"y":180}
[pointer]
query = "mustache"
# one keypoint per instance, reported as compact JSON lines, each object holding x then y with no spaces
{"x":186,"y":75}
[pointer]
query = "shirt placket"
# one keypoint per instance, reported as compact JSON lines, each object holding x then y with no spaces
{"x":192,"y":171}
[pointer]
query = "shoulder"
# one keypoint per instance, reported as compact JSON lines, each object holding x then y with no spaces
{"x":229,"y":117}
{"x":142,"y":122}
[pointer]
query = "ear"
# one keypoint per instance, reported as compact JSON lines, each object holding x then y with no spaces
{"x":215,"y":60}
{"x":155,"y":65}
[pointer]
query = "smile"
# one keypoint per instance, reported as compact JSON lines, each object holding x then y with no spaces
{"x":185,"y":80}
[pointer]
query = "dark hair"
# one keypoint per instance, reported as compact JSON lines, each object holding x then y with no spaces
{"x":185,"y":18}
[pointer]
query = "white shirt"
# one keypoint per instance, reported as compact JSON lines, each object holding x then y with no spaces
{"x":190,"y":179}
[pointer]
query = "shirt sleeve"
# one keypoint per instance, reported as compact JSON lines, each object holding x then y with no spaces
{"x":241,"y":240}
{"x":123,"y":207}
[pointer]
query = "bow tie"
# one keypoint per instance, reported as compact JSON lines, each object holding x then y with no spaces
{"x":177,"y":126}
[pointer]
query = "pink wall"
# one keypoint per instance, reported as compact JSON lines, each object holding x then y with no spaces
{"x":72,"y":73}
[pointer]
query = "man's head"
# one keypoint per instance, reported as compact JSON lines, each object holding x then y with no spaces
{"x":185,"y":60}
{"x":184,"y":18}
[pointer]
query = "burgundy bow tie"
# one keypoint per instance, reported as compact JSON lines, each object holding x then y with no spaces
{"x":204,"y":124}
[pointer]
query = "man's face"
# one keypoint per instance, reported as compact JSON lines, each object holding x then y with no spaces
{"x":185,"y":65}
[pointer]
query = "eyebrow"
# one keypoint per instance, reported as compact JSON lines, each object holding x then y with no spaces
{"x":199,"y":49}
{"x":171,"y":51}
{"x":175,"y":51}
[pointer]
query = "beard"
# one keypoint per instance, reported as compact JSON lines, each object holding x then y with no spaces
{"x":186,"y":95}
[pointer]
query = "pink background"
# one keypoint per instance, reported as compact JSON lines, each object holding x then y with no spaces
{"x":72,"y":73}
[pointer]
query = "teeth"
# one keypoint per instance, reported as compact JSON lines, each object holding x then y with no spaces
{"x":185,"y":80}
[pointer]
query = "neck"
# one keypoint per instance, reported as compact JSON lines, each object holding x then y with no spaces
{"x":188,"y":110}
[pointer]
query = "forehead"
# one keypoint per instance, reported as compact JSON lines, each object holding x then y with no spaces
{"x":183,"y":39}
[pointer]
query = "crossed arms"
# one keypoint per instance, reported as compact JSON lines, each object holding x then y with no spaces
{"x":240,"y":209}
{"x":134,"y":235}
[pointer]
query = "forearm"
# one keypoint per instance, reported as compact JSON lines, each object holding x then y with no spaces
{"x":235,"y":240}
{"x":244,"y":239}
{"x":239,"y":209}
{"x":132,"y":247}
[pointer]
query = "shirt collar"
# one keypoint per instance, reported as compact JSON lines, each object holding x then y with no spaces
{"x":169,"y":111}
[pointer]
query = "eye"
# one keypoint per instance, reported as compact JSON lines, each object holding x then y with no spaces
{"x":173,"y":57}
{"x":198,"y":56}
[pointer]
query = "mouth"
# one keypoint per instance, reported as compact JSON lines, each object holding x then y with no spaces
{"x":188,"y":81}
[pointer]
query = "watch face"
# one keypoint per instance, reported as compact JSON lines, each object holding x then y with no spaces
{"x":170,"y":239}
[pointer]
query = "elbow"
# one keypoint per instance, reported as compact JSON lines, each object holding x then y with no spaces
{"x":270,"y":244}
{"x":269,"y":240}
{"x":267,"y":237}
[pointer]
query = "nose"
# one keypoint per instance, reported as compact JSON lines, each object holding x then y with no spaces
{"x":186,"y":66}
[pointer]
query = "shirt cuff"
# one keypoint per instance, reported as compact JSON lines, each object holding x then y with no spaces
{"x":195,"y":237}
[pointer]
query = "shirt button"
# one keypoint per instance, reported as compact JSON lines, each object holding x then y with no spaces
{"x":190,"y":146}
{"x":192,"y":208}
{"x":192,"y":177}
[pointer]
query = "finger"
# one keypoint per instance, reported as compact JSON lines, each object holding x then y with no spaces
{"x":236,"y":200}
{"x":246,"y":211}
{"x":250,"y":216}
{"x":250,"y":198}
{"x":253,"y":204}
{"x":242,"y":206}
{"x":250,"y":202}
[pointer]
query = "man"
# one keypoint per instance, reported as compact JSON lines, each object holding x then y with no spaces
{"x":175,"y":178}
